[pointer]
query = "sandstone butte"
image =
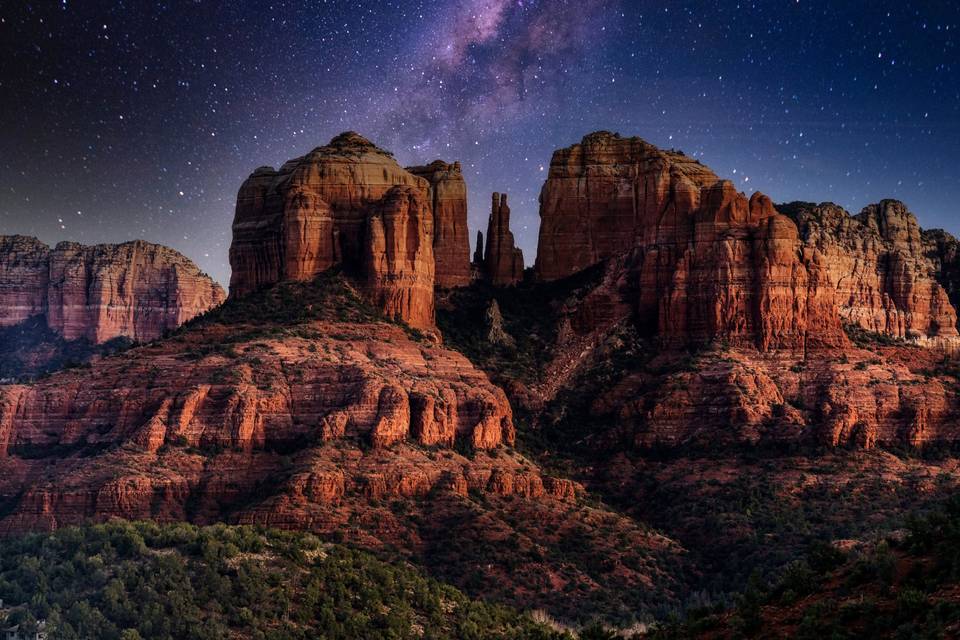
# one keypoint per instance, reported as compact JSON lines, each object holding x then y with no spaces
{"x":766,"y":300}
{"x":136,"y":289}
{"x":707,"y":263}
{"x":399,"y":231}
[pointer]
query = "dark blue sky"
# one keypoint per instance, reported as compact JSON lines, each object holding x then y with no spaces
{"x":137,"y":119}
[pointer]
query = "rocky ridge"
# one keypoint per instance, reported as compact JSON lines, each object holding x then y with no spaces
{"x":136,"y":290}
{"x":297,"y":406}
{"x":705,"y":263}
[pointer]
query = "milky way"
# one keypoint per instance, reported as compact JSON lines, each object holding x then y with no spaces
{"x":123,"y":120}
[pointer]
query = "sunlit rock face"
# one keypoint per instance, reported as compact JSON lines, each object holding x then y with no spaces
{"x":704,"y":262}
{"x":350,"y":204}
{"x":451,"y":237}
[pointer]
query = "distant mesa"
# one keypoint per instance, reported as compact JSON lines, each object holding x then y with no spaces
{"x":135,"y":290}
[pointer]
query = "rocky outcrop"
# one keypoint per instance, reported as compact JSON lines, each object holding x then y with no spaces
{"x":161,"y":406}
{"x":741,"y":322}
{"x":136,"y":289}
{"x":502,"y":261}
{"x":704,"y":263}
{"x":326,"y":208}
{"x":399,"y":256}
{"x":496,"y":334}
{"x":879,"y":267}
{"x":451,"y":237}
{"x":608,"y":194}
{"x":943,"y":251}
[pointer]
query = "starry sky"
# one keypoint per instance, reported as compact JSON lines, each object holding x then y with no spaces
{"x":135,"y":119}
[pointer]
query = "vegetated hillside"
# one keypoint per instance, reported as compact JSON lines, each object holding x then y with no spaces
{"x":531,"y":313}
{"x":299,"y":406}
{"x":907,"y":586}
{"x":125,"y":580}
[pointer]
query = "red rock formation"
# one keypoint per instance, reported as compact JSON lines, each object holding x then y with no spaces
{"x":706,"y":264}
{"x":451,"y":239}
{"x":318,"y":211}
{"x":879,"y":267}
{"x":294,"y":223}
{"x":399,"y":257}
{"x":502,"y":262}
{"x":608,"y":194}
{"x":136,"y":289}
{"x":149,"y":412}
{"x":478,"y":250}
{"x":24,"y":278}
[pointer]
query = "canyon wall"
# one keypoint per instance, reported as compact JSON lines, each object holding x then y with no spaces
{"x":878,"y":264}
{"x":136,"y":289}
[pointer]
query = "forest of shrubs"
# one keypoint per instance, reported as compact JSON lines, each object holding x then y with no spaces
{"x":123,"y":581}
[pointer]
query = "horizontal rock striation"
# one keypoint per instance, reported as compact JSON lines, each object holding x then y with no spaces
{"x":169,"y":406}
{"x":136,"y":289}
{"x":878,"y":264}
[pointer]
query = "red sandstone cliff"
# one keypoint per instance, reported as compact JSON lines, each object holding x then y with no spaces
{"x":878,"y":265}
{"x":298,"y":407}
{"x":136,"y":289}
{"x":704,"y":263}
{"x":791,"y":317}
{"x":399,"y":255}
{"x":318,"y":211}
{"x":451,"y":237}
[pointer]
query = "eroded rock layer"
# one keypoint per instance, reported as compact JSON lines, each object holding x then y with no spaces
{"x":878,"y":264}
{"x":292,"y":393}
{"x":136,"y":289}
{"x":322,"y":209}
{"x":704,"y":263}
{"x":451,"y":237}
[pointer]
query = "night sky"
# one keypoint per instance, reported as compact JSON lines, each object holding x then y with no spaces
{"x":122,"y":120}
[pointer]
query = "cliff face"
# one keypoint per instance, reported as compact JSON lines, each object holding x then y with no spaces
{"x":735,"y":321}
{"x":400,"y":265}
{"x":608,"y":194}
{"x":878,"y":264}
{"x":136,"y":289}
{"x":943,"y":251}
{"x":320,"y":210}
{"x":451,"y":237}
{"x":705,"y":263}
